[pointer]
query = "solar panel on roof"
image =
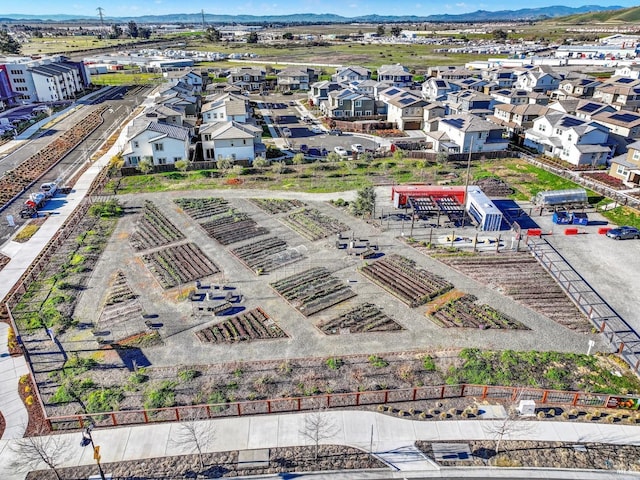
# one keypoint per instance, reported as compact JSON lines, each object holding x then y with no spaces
{"x":393,"y":91}
{"x":625,"y":80}
{"x":441,"y":83}
{"x":406,"y":101}
{"x":590,"y":107}
{"x":624,"y":117}
{"x":455,"y":122}
{"x":570,"y":122}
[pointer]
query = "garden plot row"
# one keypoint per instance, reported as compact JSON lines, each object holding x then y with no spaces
{"x":266,"y":255}
{"x":313,"y":290}
{"x":464,"y":312}
{"x":153,"y":229}
{"x":366,"y":317}
{"x":400,"y":276}
{"x":233,"y":228}
{"x":277,"y":205}
{"x":179,"y":264}
{"x":16,"y":180}
{"x":119,"y":290}
{"x":521,"y":277}
{"x":248,"y":326}
{"x":199,"y":208}
{"x":312,"y":224}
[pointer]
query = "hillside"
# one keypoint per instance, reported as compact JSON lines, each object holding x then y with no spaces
{"x":625,"y":15}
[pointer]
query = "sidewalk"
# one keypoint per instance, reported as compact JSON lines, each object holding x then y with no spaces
{"x":352,"y":428}
{"x":11,"y":369}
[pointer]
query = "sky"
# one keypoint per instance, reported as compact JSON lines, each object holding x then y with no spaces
{"x":350,"y":8}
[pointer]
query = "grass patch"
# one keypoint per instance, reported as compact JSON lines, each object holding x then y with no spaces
{"x":623,"y":216}
{"x":553,"y":370}
{"x":26,"y":233}
{"x":104,"y":400}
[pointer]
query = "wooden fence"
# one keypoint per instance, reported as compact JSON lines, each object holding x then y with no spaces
{"x":332,"y":400}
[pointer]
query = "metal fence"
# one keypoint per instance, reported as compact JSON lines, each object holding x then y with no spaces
{"x":333,"y":400}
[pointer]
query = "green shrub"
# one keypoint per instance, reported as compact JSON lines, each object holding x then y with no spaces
{"x":188,"y":374}
{"x":428,"y":363}
{"x":377,"y":361}
{"x":104,"y":400}
{"x":162,"y":396}
{"x":334,"y":363}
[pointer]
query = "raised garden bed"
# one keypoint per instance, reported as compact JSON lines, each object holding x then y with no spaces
{"x":312,"y":224}
{"x":266,"y":255}
{"x":277,"y":205}
{"x":464,"y":312}
{"x":605,"y":179}
{"x":153,"y":229}
{"x":402,"y":278}
{"x":313,"y":290}
{"x":179,"y":264}
{"x":246,"y":327}
{"x":366,"y":317}
{"x":520,"y":277}
{"x":236,"y":227}
{"x":199,"y":208}
{"x":495,"y":187}
{"x":121,"y":305}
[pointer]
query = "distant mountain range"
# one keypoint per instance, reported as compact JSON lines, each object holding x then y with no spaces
{"x":314,"y":18}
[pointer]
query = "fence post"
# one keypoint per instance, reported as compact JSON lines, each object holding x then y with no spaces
{"x":485,"y":389}
{"x":358,"y":399}
{"x":114,"y":422}
{"x":239,"y":409}
{"x":415,"y":393}
{"x":177,"y":410}
{"x":146,"y":417}
{"x":268,"y":406}
{"x":544,"y":396}
{"x":575,"y":400}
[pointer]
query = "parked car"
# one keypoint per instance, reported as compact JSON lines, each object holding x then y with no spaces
{"x":304,"y":148}
{"x":286,"y":132}
{"x":341,"y":151}
{"x":623,"y":233}
{"x":316,"y":152}
{"x":335,"y":131}
{"x":357,"y":148}
{"x":316,"y":129}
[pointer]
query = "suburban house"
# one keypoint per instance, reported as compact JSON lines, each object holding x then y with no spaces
{"x":622,"y":123}
{"x":295,"y":78}
{"x":626,"y":167}
{"x":499,"y":78}
{"x":586,"y":109}
{"x":351,"y":74}
{"x":517,"y":118}
{"x":576,"y":88}
{"x":225,"y":107}
{"x":170,"y":116}
{"x":404,"y":108}
{"x":190,"y":77}
{"x":319,"y":91}
{"x":188,"y":104}
{"x":238,"y":142}
{"x":471,"y":83}
{"x":159,"y":143}
{"x":621,"y":92}
{"x":465,"y":133}
{"x":249,"y":79}
{"x":629,"y":71}
{"x":569,"y":138}
{"x":540,"y":80}
{"x":471,"y":102}
{"x":396,"y":75}
{"x":347,"y":103}
{"x":436,"y":89}
{"x":517,"y":97}
{"x":432,"y":113}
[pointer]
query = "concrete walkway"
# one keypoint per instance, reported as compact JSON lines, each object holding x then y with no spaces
{"x":11,"y":406}
{"x":390,"y":438}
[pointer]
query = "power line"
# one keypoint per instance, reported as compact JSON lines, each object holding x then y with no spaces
{"x":100,"y":14}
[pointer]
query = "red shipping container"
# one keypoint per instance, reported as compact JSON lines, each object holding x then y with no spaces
{"x":570,"y":231}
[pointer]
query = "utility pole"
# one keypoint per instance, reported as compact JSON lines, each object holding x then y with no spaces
{"x":203,"y":25}
{"x":466,"y":185}
{"x":100,"y":14}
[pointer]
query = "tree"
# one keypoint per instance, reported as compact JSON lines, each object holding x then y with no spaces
{"x":398,"y":155}
{"x":32,"y":452}
{"x":499,"y":34}
{"x":318,"y":426}
{"x":145,"y":166}
{"x":116,"y":31}
{"x":212,"y":34}
{"x":182,"y":165}
{"x":194,"y":435}
{"x":8,"y":44}
{"x":365,"y":201}
{"x":512,"y":425}
{"x":260,"y":162}
{"x":287,"y":36}
{"x":278,"y":167}
{"x":145,"y":32}
{"x":380,"y":30}
{"x":333,"y":157}
{"x":441,"y":160}
{"x":253,"y":38}
{"x":134,"y":32}
{"x":396,"y":31}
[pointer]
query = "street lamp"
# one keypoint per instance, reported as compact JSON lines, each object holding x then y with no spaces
{"x":87,"y":439}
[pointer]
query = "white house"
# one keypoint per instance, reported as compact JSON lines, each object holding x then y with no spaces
{"x":569,"y":138}
{"x":160,"y":143}
{"x":396,"y":75}
{"x":231,"y":140}
{"x":469,"y":133}
{"x":404,"y":108}
{"x":225,"y":107}
{"x":351,"y":74}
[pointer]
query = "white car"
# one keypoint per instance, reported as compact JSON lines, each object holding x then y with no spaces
{"x":341,"y":151}
{"x":316,"y":129}
{"x":286,"y":132}
{"x":356,"y":147}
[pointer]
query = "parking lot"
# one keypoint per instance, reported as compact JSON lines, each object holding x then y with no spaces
{"x":302,"y":131}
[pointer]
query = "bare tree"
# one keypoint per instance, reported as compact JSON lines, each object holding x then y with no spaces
{"x":195,"y":435}
{"x":318,"y":426}
{"x":33,"y":452}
